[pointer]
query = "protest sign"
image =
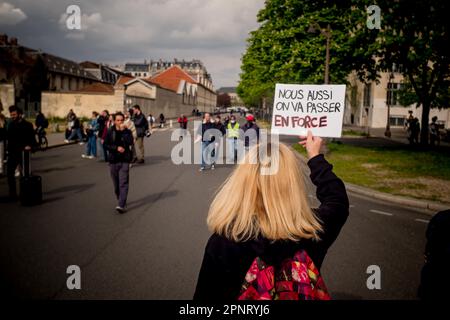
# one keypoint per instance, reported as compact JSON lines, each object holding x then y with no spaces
{"x":299,"y":108}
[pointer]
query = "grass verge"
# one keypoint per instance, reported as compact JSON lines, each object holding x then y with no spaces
{"x":394,"y":170}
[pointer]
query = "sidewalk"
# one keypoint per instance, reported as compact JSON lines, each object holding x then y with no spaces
{"x":398,"y":135}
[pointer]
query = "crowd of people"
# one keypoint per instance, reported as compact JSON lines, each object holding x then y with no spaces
{"x":412,"y":126}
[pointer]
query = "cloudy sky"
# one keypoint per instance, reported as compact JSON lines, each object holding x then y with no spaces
{"x":115,"y":32}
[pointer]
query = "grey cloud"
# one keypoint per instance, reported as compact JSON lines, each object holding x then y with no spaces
{"x":118,"y":31}
{"x":9,"y":15}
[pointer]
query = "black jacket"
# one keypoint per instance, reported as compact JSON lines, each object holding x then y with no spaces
{"x":141,"y":124}
{"x":115,"y":139}
{"x":226,"y":262}
{"x":19,"y":135}
{"x":204,"y":128}
{"x":250,"y":126}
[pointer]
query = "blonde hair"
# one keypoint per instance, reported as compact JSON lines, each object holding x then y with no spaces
{"x":250,"y":204}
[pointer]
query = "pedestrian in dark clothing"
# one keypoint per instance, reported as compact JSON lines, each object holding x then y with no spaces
{"x":206,"y":140}
{"x":20,"y":137}
{"x":183,"y":121}
{"x":141,"y":124}
{"x":219,"y":126}
{"x":272,"y":223}
{"x":162,"y":120}
{"x":75,"y":130}
{"x":435,"y":279}
{"x":101,"y":123}
{"x":108,"y":124}
{"x":434,"y":132}
{"x":251,"y":138}
{"x":119,"y":142}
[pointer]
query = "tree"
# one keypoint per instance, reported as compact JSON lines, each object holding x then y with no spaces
{"x":413,"y":34}
{"x":224,"y":100}
{"x":416,"y":35}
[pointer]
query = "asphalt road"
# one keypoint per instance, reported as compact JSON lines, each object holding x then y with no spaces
{"x":154,"y":251}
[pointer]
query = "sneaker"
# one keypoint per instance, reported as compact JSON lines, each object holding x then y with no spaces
{"x":213,"y":167}
{"x":120,"y":209}
{"x":81,"y":143}
{"x":202,"y":169}
{"x":91,"y":157}
{"x":66,"y":141}
{"x":84,"y":156}
{"x":17,"y":173}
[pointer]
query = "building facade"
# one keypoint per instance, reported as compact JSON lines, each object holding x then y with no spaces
{"x":367,"y":104}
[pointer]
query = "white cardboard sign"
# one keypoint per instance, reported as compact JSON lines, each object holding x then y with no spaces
{"x":299,"y":108}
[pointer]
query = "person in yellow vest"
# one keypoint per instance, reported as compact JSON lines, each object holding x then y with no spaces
{"x":232,"y":138}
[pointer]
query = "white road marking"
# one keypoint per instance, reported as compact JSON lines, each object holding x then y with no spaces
{"x":422,"y":220}
{"x":382,"y":212}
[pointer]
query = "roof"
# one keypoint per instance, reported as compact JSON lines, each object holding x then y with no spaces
{"x":89,"y":65}
{"x":98,"y":88}
{"x":123,"y":79}
{"x":60,"y":65}
{"x":136,"y":67}
{"x":171,"y":77}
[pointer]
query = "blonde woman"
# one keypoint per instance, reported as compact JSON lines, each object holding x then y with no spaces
{"x":268,"y":216}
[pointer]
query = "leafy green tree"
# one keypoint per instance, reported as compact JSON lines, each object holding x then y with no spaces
{"x":413,"y":34}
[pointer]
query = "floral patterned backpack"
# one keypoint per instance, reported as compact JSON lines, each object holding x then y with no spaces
{"x":296,"y":279}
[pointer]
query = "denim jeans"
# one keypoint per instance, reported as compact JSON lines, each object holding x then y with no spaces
{"x":232,"y":148}
{"x":120,"y":177}
{"x":91,"y":147}
{"x":205,"y":144}
{"x":76,"y":133}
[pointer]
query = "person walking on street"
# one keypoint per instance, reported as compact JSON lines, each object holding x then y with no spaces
{"x":141,"y":124}
{"x":151,"y":121}
{"x":108,"y":124}
{"x":162,"y":120}
{"x":251,"y":125}
{"x":273,"y":226}
{"x":101,"y":120}
{"x":91,"y":133}
{"x":232,"y":138}
{"x":20,"y":137}
{"x":75,"y":130}
{"x":41,"y":124}
{"x":119,"y":141}
{"x":219,"y":126}
{"x":183,"y":121}
{"x":129,"y":124}
{"x":434,"y":132}
{"x":205,"y":140}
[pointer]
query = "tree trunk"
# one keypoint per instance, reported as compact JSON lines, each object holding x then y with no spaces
{"x":425,"y":121}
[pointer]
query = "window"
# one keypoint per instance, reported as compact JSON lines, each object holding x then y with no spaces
{"x":397,"y":121}
{"x":367,"y":95}
{"x":392,"y":94}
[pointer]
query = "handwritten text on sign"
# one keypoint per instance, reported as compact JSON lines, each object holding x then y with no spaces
{"x":299,"y":108}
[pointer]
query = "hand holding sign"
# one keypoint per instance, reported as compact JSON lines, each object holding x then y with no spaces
{"x":298,"y":108}
{"x":312,"y":144}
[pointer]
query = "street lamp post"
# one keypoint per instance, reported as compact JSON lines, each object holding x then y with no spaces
{"x":327,"y":33}
{"x":387,"y":133}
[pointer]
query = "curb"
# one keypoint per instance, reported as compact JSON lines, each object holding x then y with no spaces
{"x":428,"y":207}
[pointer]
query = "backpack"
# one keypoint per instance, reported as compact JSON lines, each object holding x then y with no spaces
{"x":45,"y":123}
{"x":296,"y":279}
